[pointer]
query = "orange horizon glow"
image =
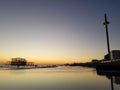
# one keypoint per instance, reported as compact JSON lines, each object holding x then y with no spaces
{"x":51,"y":56}
{"x":48,"y":61}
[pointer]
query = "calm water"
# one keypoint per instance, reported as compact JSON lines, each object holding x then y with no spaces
{"x":60,"y":78}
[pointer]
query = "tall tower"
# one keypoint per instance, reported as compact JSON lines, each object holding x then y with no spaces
{"x":107,"y":35}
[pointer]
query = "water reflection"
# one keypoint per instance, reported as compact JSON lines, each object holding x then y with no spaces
{"x":60,"y":78}
{"x":113,"y":76}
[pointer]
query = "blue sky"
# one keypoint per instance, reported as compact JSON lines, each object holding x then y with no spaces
{"x":57,"y":31}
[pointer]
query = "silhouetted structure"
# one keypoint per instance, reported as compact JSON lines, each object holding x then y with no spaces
{"x":18,"y":62}
{"x":115,"y":55}
{"x":107,"y":35}
{"x":107,"y":57}
{"x":110,"y":65}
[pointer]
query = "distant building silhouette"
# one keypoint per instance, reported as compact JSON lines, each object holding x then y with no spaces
{"x":115,"y":55}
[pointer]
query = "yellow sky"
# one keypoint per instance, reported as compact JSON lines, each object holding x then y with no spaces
{"x":50,"y":58}
{"x":56,"y":31}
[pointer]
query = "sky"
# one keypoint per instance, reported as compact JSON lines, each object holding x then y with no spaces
{"x":57,"y":31}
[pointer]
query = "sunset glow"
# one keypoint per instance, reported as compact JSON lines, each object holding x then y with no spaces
{"x":57,"y":31}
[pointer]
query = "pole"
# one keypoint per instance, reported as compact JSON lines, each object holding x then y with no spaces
{"x":107,"y":35}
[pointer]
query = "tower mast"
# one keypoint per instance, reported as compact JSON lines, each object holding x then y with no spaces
{"x":107,"y":35}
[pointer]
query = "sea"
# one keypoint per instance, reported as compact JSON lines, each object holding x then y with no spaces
{"x":58,"y":78}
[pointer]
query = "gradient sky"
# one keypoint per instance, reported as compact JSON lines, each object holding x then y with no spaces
{"x":57,"y":31}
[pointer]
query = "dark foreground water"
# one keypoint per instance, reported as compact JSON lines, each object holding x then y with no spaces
{"x":60,"y":78}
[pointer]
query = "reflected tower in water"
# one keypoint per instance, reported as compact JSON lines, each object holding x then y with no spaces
{"x":114,"y":77}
